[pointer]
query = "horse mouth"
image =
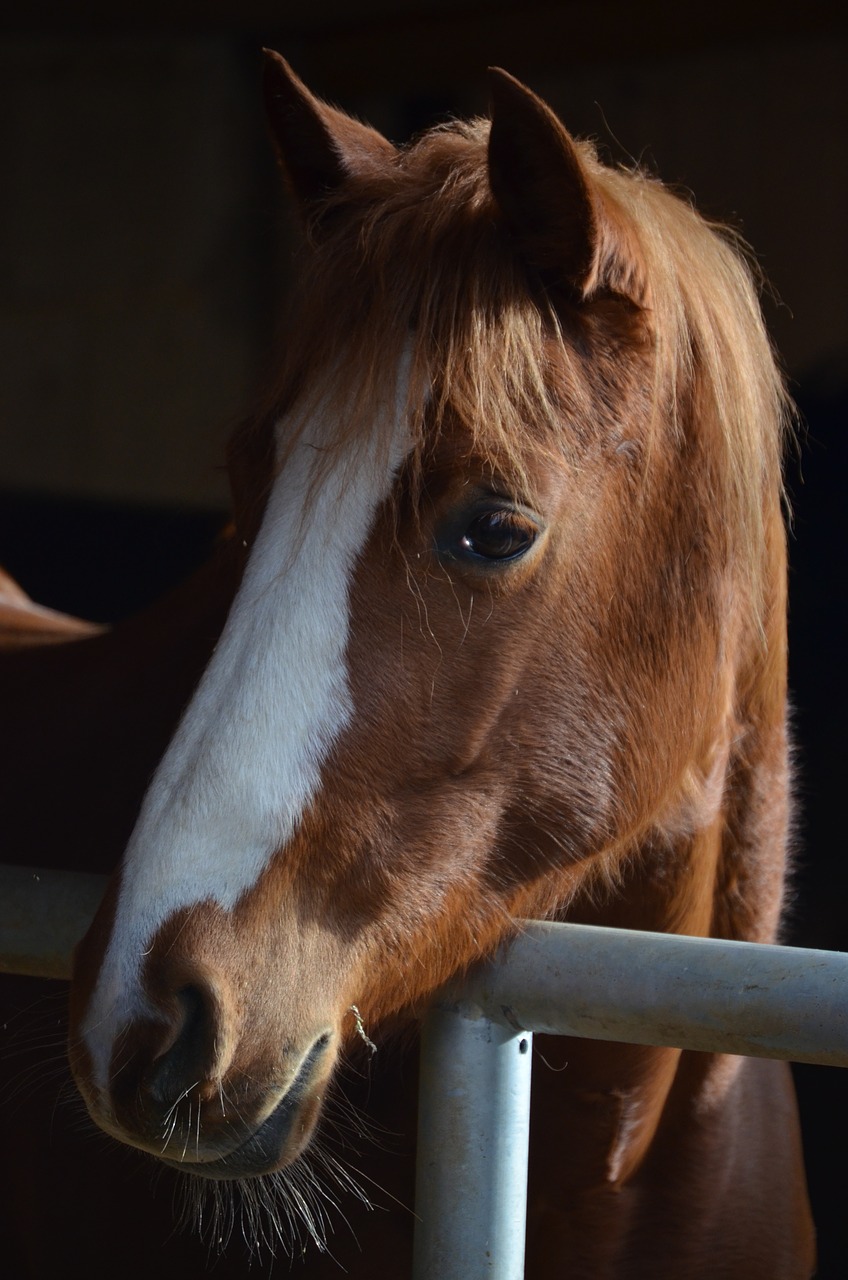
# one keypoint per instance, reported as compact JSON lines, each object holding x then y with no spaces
{"x":278,"y":1141}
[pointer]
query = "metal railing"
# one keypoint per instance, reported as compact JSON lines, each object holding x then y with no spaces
{"x":561,"y":979}
{"x":600,"y":984}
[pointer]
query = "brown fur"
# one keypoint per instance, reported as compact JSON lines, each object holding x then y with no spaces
{"x":596,"y":732}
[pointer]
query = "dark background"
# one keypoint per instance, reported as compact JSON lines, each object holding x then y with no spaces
{"x":143,"y":247}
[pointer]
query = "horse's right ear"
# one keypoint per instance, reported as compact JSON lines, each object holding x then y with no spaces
{"x":539,"y":184}
{"x":318,"y":146}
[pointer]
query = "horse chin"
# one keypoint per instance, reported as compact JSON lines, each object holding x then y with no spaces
{"x":277,"y":1142}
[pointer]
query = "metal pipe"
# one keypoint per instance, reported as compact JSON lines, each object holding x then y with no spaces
{"x":663,"y":989}
{"x":473,"y":1132}
{"x":563,"y":979}
{"x":597,"y":983}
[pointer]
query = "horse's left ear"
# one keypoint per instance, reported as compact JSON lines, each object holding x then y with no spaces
{"x":319,"y":147}
{"x":540,"y":187}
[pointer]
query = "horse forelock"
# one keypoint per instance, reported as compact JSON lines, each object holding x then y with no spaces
{"x":414,"y":257}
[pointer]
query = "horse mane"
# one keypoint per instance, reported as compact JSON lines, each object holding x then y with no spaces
{"x":416,"y":256}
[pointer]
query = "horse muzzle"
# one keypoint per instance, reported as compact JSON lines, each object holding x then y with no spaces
{"x":215,"y":1053}
{"x":189,"y":1089}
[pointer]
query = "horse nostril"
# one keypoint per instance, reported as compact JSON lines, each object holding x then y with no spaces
{"x":188,"y":1060}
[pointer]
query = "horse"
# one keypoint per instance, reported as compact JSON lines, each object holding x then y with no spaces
{"x":500,"y":633}
{"x":24,"y":623}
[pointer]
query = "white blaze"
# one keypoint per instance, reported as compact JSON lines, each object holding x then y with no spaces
{"x":246,"y":759}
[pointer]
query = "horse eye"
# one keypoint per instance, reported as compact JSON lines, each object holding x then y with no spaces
{"x":498,"y":535}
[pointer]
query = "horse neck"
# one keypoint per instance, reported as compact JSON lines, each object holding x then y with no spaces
{"x":715,"y":866}
{"x":725,"y":881}
{"x":756,"y":817}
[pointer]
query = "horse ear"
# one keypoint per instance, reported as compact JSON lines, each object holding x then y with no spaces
{"x":540,"y":187}
{"x":319,"y":147}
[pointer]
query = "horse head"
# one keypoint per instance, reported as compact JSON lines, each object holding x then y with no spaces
{"x":506,"y":615}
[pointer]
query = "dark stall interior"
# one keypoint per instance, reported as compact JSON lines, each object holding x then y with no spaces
{"x":144,"y":247}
